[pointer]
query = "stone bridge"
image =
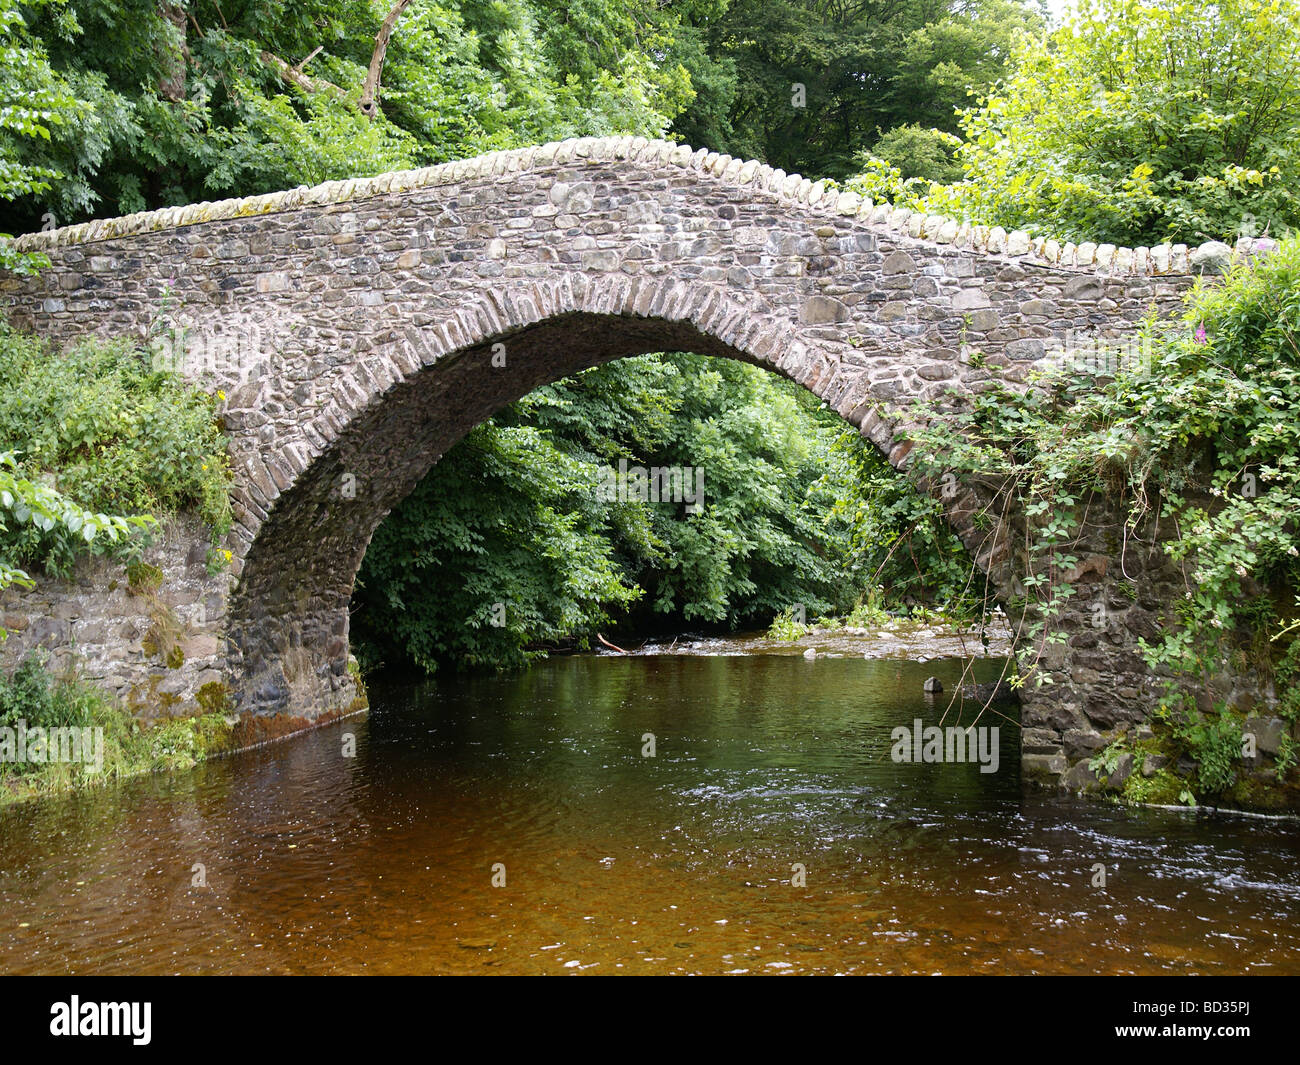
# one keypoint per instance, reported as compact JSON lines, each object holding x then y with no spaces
{"x":361,"y":328}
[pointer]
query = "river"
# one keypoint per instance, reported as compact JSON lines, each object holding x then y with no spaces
{"x":769,"y":831}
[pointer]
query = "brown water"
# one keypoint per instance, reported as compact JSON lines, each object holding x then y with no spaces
{"x":618,"y":863}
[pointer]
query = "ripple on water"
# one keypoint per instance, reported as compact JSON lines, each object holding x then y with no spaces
{"x":772,"y":833}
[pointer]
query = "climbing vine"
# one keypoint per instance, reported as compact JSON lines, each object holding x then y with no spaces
{"x":1196,"y":430}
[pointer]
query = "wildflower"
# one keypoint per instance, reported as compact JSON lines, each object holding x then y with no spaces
{"x":1200,"y":334}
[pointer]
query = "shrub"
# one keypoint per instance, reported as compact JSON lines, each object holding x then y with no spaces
{"x":98,"y":427}
{"x":1140,"y":122}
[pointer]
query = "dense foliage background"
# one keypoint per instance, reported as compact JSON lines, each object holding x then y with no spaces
{"x":93,"y":432}
{"x":1139,"y":122}
{"x":797,"y":509}
{"x":113,"y":106}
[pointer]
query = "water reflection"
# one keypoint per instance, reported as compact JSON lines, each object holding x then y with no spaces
{"x":614,"y":862}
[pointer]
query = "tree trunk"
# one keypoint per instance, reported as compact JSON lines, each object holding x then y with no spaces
{"x":173,"y":58}
{"x":369,"y":105}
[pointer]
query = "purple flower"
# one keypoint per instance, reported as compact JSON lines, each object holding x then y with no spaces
{"x":1200,"y":334}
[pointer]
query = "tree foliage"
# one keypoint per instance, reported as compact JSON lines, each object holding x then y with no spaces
{"x":146,"y":103}
{"x":508,"y":546}
{"x":1142,"y":121}
{"x":807,"y":85}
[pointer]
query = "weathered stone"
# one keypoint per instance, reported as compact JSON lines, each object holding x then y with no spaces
{"x":1040,"y":741}
{"x":898,"y":262}
{"x":1153,"y":763}
{"x":1080,"y":778}
{"x":820,"y":309}
{"x":1080,"y":743}
{"x":1122,"y":771}
{"x":1268,"y":732}
{"x":134,"y":658}
{"x":970,"y":299}
{"x":1212,"y":257}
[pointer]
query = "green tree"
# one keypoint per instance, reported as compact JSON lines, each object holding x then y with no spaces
{"x":1142,"y":121}
{"x":507,"y":546}
{"x":33,"y":100}
{"x":816,"y":82}
{"x":921,"y":153}
{"x":149,"y":103}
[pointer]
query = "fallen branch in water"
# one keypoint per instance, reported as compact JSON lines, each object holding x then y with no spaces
{"x":611,"y":646}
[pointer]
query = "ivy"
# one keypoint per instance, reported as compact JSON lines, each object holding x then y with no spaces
{"x":1199,"y":431}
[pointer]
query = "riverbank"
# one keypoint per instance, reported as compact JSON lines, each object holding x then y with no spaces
{"x":912,"y":639}
{"x":65,"y":734}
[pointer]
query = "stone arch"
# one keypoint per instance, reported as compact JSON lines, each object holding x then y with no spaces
{"x":288,"y":616}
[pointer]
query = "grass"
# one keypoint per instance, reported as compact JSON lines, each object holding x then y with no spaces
{"x":130,"y":748}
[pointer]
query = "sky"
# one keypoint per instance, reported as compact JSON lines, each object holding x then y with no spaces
{"x":1058,"y":9}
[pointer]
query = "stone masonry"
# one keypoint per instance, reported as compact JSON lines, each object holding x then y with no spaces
{"x":151,"y":634}
{"x":360,"y":328}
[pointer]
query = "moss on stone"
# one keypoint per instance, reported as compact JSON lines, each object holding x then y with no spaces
{"x":183,"y":742}
{"x":361,"y":701}
{"x":1253,"y":793}
{"x":1162,"y":788}
{"x":142,"y":578}
{"x":130,"y":748}
{"x":214,"y":698}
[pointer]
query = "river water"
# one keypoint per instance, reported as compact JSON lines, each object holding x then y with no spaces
{"x":771,"y":832}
